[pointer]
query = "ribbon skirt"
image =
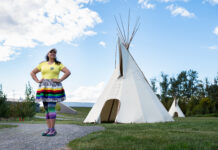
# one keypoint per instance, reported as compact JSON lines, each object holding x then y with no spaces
{"x":50,"y":91}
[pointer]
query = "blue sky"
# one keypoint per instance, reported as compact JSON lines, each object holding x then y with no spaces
{"x":174,"y":35}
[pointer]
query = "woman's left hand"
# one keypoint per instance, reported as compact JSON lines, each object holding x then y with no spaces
{"x":56,"y":80}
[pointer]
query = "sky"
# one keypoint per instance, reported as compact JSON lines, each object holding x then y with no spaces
{"x":174,"y":35}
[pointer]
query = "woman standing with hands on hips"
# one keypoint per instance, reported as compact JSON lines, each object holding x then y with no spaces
{"x":50,"y":89}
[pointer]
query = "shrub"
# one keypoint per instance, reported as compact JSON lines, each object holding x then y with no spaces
{"x":3,"y":104}
{"x":42,"y":109}
{"x":4,"y":112}
{"x":58,"y":107}
{"x":29,"y":109}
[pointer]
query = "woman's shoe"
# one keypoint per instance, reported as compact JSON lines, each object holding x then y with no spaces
{"x":52,"y":133}
{"x":46,"y":132}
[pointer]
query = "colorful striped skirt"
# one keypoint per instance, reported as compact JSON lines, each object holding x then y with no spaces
{"x":50,"y":91}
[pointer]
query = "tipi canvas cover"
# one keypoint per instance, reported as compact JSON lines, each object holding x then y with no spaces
{"x":176,"y":109}
{"x":128,"y":97}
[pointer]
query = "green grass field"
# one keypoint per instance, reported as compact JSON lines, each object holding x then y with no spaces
{"x":190,"y":133}
{"x":7,"y":126}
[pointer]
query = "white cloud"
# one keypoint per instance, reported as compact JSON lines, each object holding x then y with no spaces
{"x":104,"y":1}
{"x":214,"y":47}
{"x":146,"y":4}
{"x":86,"y":93}
{"x":6,"y":52}
{"x":26,"y":24}
{"x":91,"y":1}
{"x":213,"y":2}
{"x":74,"y":44}
{"x":216,"y":30}
{"x":180,"y":11}
{"x":102,"y":43}
{"x":167,"y":1}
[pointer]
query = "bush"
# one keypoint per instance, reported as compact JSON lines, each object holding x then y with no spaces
{"x":22,"y":109}
{"x":58,"y":107}
{"x":29,"y":109}
{"x":197,"y":109}
{"x":42,"y":110}
{"x":16,"y":110}
{"x":3,"y":104}
{"x":205,"y":106}
{"x":4,"y":112}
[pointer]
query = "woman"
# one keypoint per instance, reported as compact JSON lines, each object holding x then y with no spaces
{"x":50,"y":89}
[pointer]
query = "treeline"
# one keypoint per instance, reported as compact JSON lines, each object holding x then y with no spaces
{"x":26,"y":108}
{"x":195,"y":96}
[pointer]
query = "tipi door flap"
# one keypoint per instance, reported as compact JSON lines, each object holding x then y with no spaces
{"x":110,"y":110}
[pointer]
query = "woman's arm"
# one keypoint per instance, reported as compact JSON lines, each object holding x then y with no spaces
{"x":33,"y":75}
{"x":66,"y":74}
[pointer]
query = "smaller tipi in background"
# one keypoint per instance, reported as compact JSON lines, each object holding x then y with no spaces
{"x":175,"y":110}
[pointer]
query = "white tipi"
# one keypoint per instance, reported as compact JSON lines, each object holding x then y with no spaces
{"x":128,"y":97}
{"x":176,"y":109}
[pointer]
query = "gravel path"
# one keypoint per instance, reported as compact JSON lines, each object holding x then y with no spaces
{"x":28,"y":136}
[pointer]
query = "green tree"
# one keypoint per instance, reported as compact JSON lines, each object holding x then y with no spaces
{"x":205,"y":106}
{"x":194,"y":84}
{"x":153,"y":85}
{"x":29,"y":105}
{"x":213,"y":95}
{"x":3,"y":104}
{"x":164,"y":87}
{"x":174,"y":88}
{"x":190,"y":105}
{"x":29,"y":93}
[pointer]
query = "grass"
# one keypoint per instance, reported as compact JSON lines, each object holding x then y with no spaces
{"x":190,"y":133}
{"x":7,"y":126}
{"x":74,"y":119}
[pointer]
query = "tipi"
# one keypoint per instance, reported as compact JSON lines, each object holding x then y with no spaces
{"x":128,"y":97}
{"x":175,"y":109}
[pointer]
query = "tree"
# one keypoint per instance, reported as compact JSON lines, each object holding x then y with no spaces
{"x":182,"y":80}
{"x":195,"y":95}
{"x":205,"y":106}
{"x":164,"y":87}
{"x":29,"y":93}
{"x":191,"y":104}
{"x":3,"y":104}
{"x":153,"y":85}
{"x":193,"y":83}
{"x":213,"y":94}
{"x":29,"y":105}
{"x":207,"y":84}
{"x":174,"y":88}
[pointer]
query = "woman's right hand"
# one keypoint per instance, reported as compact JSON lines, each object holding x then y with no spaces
{"x":40,"y":81}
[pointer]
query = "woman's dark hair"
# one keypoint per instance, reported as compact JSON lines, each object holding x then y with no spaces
{"x":56,"y":61}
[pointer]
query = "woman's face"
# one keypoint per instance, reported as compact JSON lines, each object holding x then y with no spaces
{"x":52,"y":55}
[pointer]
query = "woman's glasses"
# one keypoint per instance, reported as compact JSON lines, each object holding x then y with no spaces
{"x":53,"y":52}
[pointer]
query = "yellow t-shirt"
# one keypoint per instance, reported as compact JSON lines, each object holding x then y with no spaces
{"x":50,"y":71}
